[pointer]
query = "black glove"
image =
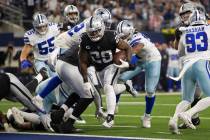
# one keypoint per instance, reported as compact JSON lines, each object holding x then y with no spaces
{"x":57,"y":116}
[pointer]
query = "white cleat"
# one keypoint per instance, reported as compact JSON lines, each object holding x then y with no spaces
{"x":37,"y":101}
{"x":109,"y":122}
{"x":80,"y":120}
{"x":45,"y":119}
{"x":173,"y":128}
{"x":17,"y":115}
{"x":146,"y":121}
{"x":186,"y":119}
{"x":130,"y":89}
{"x":8,"y":128}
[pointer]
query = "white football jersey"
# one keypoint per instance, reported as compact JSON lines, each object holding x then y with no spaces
{"x":173,"y":57}
{"x":149,"y":52}
{"x":71,"y":37}
{"x":43,"y":45}
{"x":195,"y":40}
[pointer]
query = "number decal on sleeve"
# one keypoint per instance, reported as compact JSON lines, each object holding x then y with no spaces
{"x":76,"y":29}
{"x":46,"y":46}
{"x":198,"y":41}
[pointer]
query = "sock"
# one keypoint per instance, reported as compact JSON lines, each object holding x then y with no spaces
{"x":110,"y":98}
{"x":117,"y":98}
{"x":195,"y":101}
{"x":72,"y":99}
{"x":149,"y":104}
{"x":200,"y":106}
{"x":170,"y":84}
{"x":31,"y":117}
{"x":52,"y":84}
{"x":81,"y":105}
{"x":181,"y":107}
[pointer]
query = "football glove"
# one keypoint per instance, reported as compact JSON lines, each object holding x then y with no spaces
{"x":123,"y":65}
{"x":25,"y":64}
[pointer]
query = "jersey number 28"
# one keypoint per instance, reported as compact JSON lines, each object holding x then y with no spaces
{"x":198,"y":41}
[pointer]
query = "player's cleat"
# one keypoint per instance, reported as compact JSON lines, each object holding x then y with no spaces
{"x":130,"y":89}
{"x":186,"y":119}
{"x":37,"y":101}
{"x":17,"y":115}
{"x":109,"y":121}
{"x":57,"y":116}
{"x":80,"y":120}
{"x":195,"y":121}
{"x":146,"y":121}
{"x":45,"y":119}
{"x":173,"y":126}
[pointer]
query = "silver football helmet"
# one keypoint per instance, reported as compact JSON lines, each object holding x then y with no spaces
{"x":185,"y":11}
{"x":125,"y":29}
{"x":40,"y":23}
{"x":71,"y":13}
{"x":105,"y":15}
{"x":197,"y":17}
{"x":95,"y":28}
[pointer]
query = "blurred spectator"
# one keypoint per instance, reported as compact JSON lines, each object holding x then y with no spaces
{"x":9,"y":55}
{"x":55,"y":16}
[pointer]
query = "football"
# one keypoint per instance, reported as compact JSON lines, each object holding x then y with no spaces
{"x":119,"y":55}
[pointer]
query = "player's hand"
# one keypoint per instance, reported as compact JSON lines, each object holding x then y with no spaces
{"x":124,"y":64}
{"x":25,"y":64}
{"x":88,"y":88}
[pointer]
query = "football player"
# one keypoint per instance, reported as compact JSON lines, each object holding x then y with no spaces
{"x":150,"y":62}
{"x":194,"y":40}
{"x":97,"y":48}
{"x":184,"y":12}
{"x":71,"y":14}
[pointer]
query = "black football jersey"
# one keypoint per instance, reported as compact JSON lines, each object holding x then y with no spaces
{"x":100,"y":52}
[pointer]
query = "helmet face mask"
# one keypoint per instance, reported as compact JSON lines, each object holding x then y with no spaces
{"x":105,"y":15}
{"x":197,"y":18}
{"x":71,"y":13}
{"x":95,"y":28}
{"x":185,"y":12}
{"x":40,"y":24}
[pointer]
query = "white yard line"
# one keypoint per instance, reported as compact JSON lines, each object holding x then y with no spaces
{"x":138,"y":116}
{"x":80,"y":135}
{"x":143,"y":103}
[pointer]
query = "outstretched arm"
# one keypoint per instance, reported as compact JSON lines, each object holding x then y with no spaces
{"x":83,"y":63}
{"x":122,"y":45}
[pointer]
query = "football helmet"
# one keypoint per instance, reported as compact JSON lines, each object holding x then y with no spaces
{"x":185,"y":11}
{"x":197,"y":18}
{"x":95,"y":28}
{"x":40,"y":23}
{"x":125,"y":29}
{"x":105,"y":15}
{"x":71,"y":13}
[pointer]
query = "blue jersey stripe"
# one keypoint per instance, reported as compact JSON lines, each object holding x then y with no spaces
{"x":134,"y":42}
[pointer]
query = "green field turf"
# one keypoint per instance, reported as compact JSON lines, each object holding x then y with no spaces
{"x":127,"y":121}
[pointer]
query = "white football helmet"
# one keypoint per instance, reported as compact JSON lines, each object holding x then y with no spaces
{"x":197,"y":18}
{"x":105,"y":15}
{"x":71,"y":13}
{"x":95,"y":28}
{"x":185,"y":11}
{"x":40,"y":23}
{"x":125,"y":29}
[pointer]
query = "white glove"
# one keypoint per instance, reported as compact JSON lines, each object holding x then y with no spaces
{"x":123,"y":65}
{"x":88,"y":88}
